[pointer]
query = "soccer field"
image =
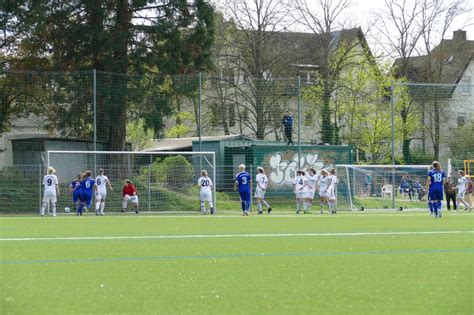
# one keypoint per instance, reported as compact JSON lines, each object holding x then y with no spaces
{"x":349,"y":263}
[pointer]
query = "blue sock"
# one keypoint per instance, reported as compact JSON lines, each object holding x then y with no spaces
{"x":435,"y":208}
{"x":247,"y":205}
{"x":430,"y":205}
{"x":242,"y":203}
{"x":438,"y":205}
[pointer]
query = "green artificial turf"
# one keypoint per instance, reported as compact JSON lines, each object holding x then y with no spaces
{"x":399,"y":263}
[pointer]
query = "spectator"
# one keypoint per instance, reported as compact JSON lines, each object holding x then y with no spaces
{"x":469,"y":190}
{"x":287,"y":122}
{"x":368,"y":183}
{"x":418,"y":188}
{"x":405,"y":187}
{"x":450,"y":193}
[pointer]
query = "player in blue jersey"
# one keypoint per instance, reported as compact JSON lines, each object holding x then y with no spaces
{"x":244,"y":183}
{"x":76,"y":193}
{"x":434,"y":186}
{"x":87,"y":186}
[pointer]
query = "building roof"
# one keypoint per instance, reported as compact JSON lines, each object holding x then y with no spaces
{"x":180,"y":144}
{"x":455,"y":55}
{"x":304,"y":51}
{"x":308,"y":47}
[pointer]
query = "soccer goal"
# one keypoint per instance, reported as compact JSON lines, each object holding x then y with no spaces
{"x":381,"y":186}
{"x":165,"y":181}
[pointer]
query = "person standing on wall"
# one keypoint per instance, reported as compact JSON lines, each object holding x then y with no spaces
{"x":287,"y":122}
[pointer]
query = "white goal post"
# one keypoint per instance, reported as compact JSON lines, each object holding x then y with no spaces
{"x":166,"y":181}
{"x":381,"y":186}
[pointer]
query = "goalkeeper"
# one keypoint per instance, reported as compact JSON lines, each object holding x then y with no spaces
{"x":129,"y":194}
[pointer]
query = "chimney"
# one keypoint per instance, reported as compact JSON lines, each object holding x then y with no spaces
{"x":459,"y":35}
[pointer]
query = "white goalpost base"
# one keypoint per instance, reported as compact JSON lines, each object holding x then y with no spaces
{"x":165,"y":181}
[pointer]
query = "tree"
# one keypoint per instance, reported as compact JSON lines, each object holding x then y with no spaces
{"x":116,"y":36}
{"x":253,"y":31}
{"x":338,"y":47}
{"x":407,"y":28}
{"x":437,"y":18}
{"x":459,"y":142}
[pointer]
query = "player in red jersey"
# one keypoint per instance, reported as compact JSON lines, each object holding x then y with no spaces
{"x":129,"y":193}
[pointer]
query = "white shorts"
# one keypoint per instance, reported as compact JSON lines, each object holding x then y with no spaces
{"x":259,"y":193}
{"x":48,"y":198}
{"x":301,"y":194}
{"x":461,"y":194}
{"x":100,"y":195}
{"x":323,"y":193}
{"x":310,"y":194}
{"x":205,"y":196}
{"x":132,"y":199}
{"x":331,"y":194}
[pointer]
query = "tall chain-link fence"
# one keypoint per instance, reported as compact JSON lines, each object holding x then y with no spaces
{"x":282,"y":124}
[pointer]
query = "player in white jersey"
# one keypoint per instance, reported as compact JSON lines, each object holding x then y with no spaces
{"x":300,"y":191}
{"x":461,"y":188}
{"x":206,"y":192}
{"x":262,"y":184}
{"x":102,"y":183}
{"x":323,"y":184}
{"x":311,"y":183}
{"x":51,"y":191}
{"x":331,"y":193}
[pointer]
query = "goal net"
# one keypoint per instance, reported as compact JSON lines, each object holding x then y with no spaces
{"x":381,"y":186}
{"x":165,"y":181}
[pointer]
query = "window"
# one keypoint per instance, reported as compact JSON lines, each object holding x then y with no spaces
{"x":461,"y":120}
{"x":466,"y":85}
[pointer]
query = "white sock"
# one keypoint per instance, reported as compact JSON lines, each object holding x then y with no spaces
{"x":305,"y":206}
{"x":53,"y":208}
{"x":202,"y":206}
{"x":43,"y":208}
{"x":266,"y":203}
{"x":259,"y":206}
{"x":124,"y":204}
{"x":102,"y":207}
{"x":297,"y":206}
{"x":97,"y":206}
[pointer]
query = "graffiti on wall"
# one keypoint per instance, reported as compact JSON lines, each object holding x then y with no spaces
{"x":284,"y":167}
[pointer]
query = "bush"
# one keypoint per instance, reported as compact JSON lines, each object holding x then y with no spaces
{"x":174,"y":172}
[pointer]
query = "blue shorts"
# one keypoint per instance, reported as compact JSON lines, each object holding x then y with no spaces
{"x":245,"y":196}
{"x":435,"y":195}
{"x":76,"y":195}
{"x":87,"y":198}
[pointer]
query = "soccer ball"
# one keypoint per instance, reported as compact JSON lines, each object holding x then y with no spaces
{"x":67,"y":209}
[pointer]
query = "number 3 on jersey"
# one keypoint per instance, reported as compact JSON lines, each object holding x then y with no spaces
{"x":244,"y":180}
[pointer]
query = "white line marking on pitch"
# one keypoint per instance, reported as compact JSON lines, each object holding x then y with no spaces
{"x":197,"y":236}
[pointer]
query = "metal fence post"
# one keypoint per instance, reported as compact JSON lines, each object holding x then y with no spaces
{"x":299,"y":122}
{"x":392,"y":105}
{"x":94,"y":103}
{"x":199,"y":116}
{"x":39,"y":187}
{"x":149,"y":185}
